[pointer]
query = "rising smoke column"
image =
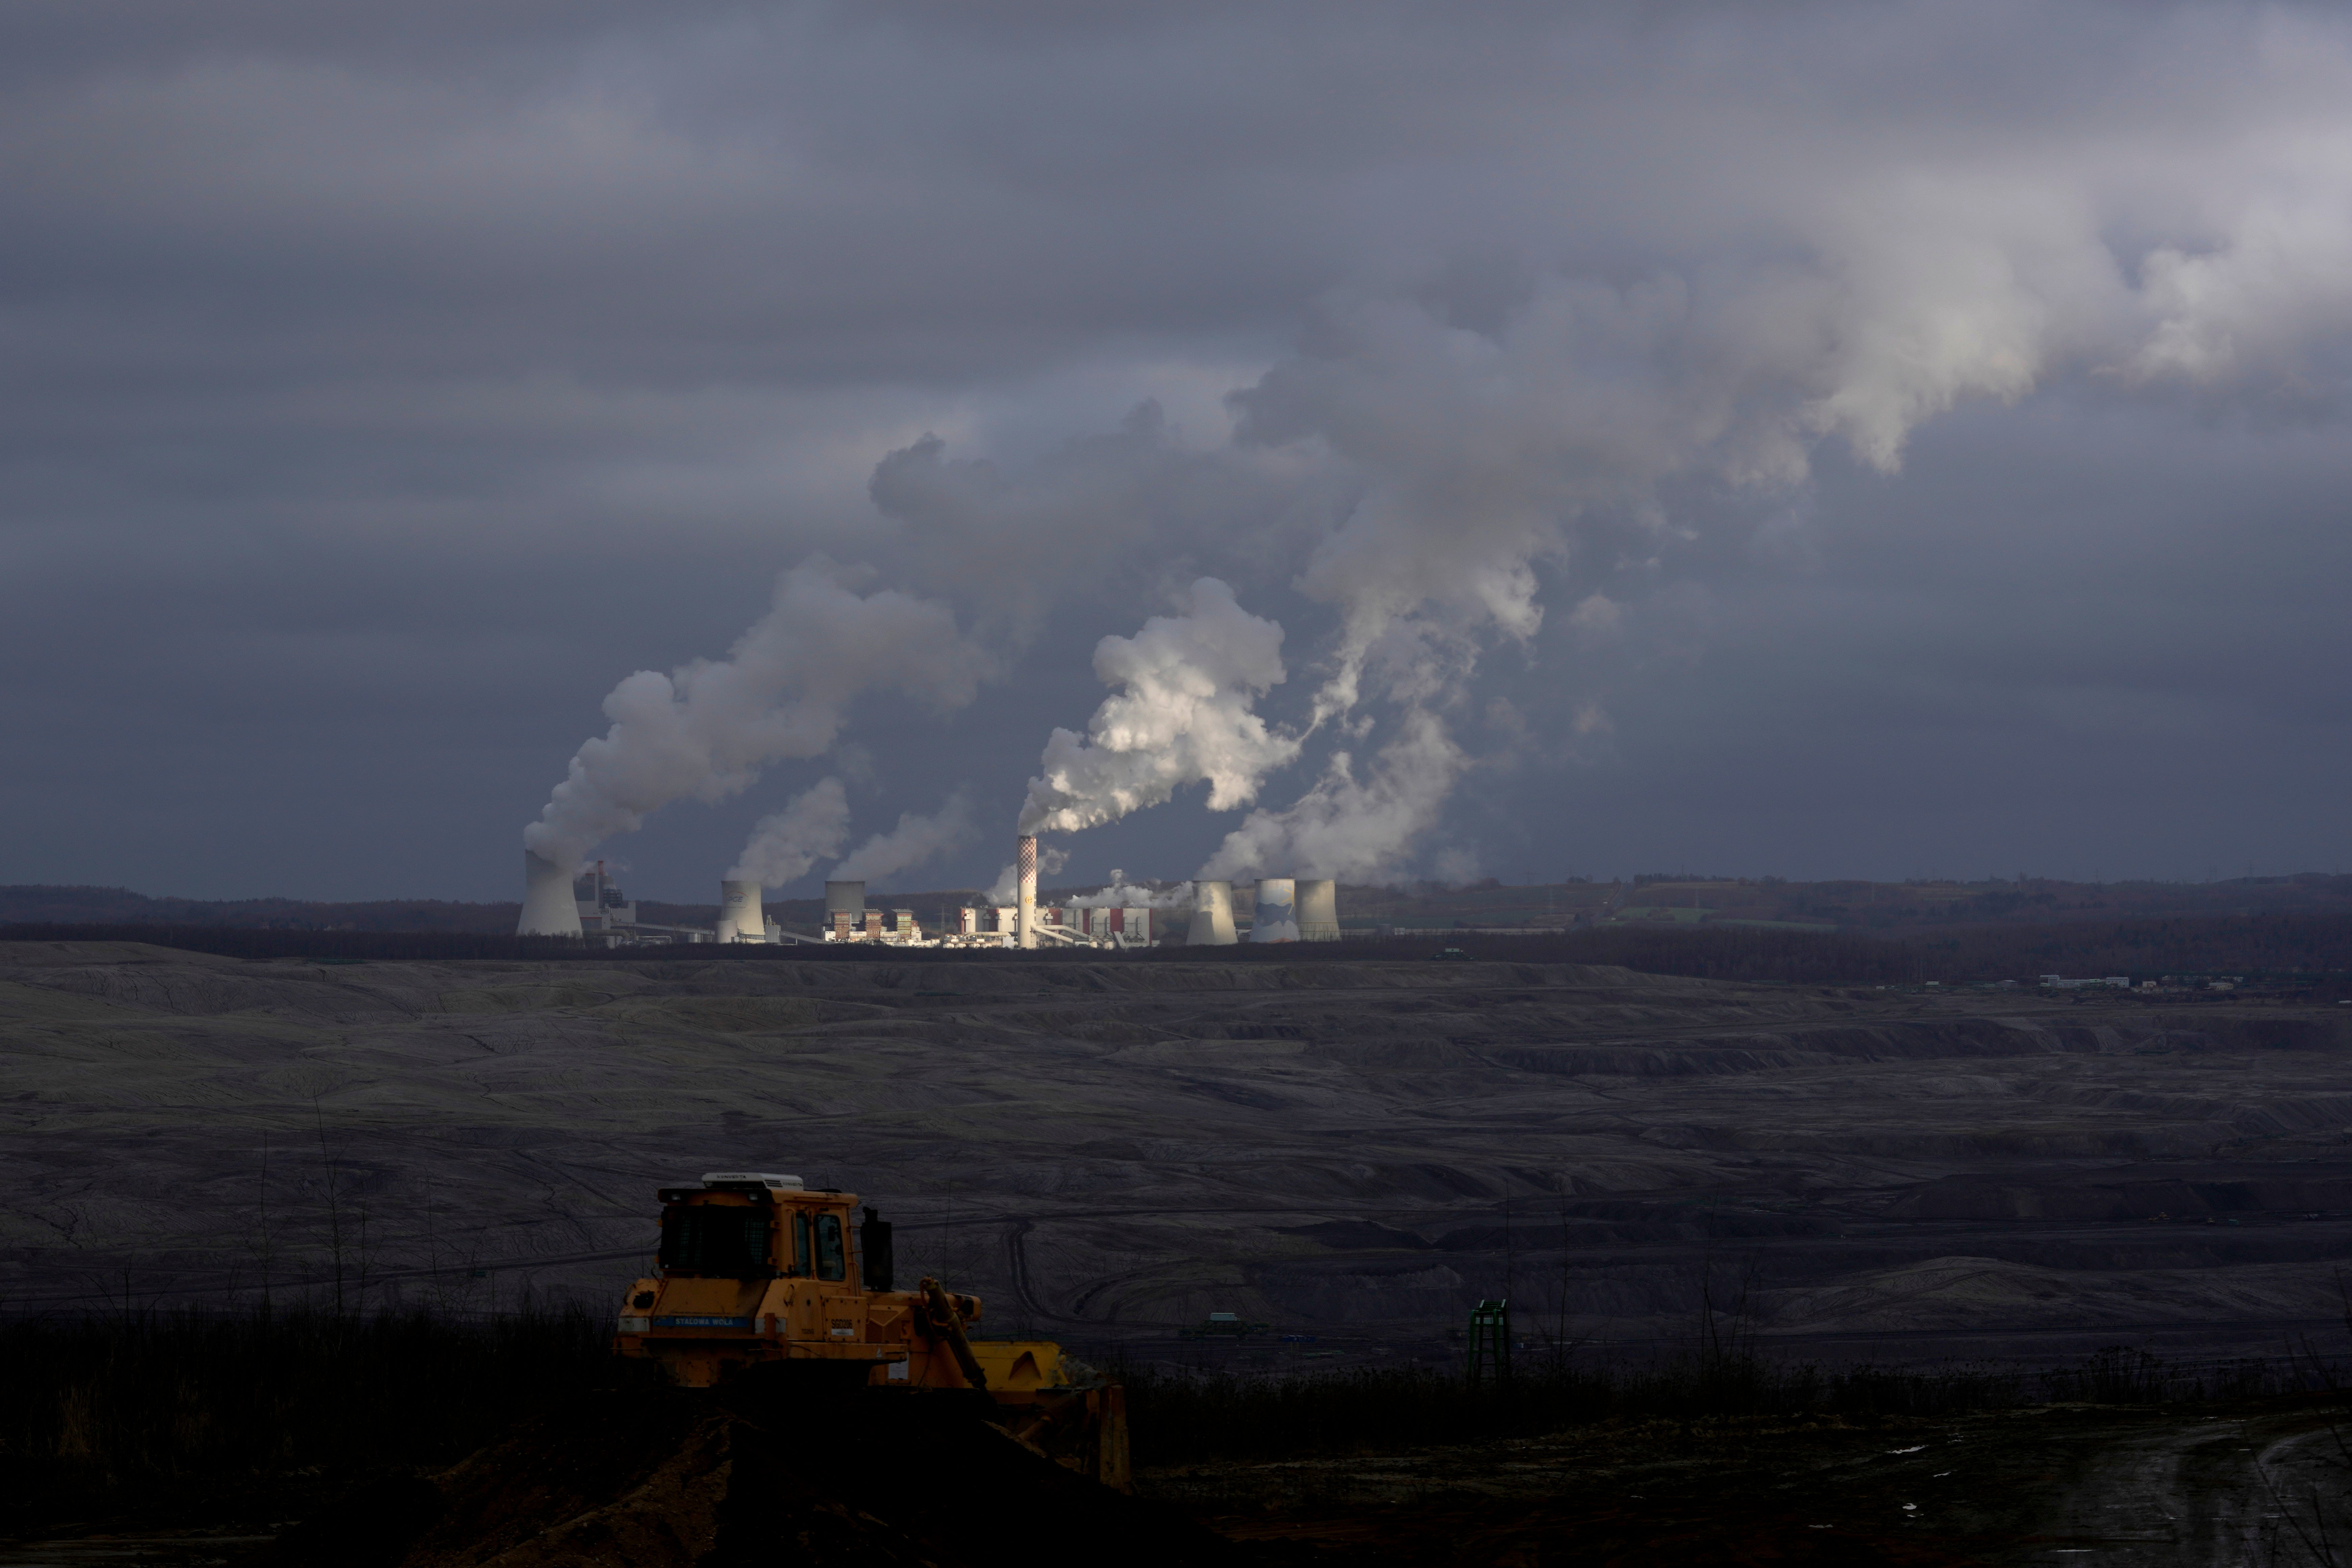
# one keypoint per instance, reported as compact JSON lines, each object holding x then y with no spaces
{"x":1352,"y":829}
{"x":915,"y":840}
{"x":1119,"y":893}
{"x":784,"y":845}
{"x":706,"y":730}
{"x":1479,"y":455}
{"x":1830,"y":287}
{"x":1187,"y":684}
{"x":1006,"y":888}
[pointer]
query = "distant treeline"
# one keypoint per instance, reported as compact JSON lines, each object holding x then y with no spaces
{"x":2314,"y":950}
{"x":115,"y":906}
{"x":2272,"y":946}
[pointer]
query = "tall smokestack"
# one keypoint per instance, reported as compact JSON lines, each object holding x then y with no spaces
{"x":1276,"y":919}
{"x":740,"y":918}
{"x":1026,"y":921}
{"x":1318,"y":911}
{"x":548,"y":908}
{"x":1213,"y":915}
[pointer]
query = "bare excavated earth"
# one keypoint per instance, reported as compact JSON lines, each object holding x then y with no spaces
{"x":690,"y":1482}
{"x":2255,"y":1482}
{"x":1350,"y":1153}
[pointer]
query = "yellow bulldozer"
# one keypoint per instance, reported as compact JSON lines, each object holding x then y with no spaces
{"x":760,"y":1276}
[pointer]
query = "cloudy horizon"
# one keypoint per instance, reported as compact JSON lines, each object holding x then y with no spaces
{"x":1394,"y":441}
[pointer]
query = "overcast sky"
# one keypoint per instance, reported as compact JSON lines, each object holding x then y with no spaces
{"x":1808,"y":439}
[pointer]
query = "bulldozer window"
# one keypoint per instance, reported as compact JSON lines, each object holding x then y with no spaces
{"x":800,"y":1265}
{"x":832,"y":1263}
{"x":700,"y":1238}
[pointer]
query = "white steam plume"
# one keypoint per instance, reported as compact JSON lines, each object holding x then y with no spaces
{"x":1007,"y":886}
{"x":1780,"y":258}
{"x":1182,"y":713}
{"x":915,"y":840}
{"x":784,"y":845}
{"x":1357,"y":830}
{"x":707,"y":728}
{"x":1119,"y":893}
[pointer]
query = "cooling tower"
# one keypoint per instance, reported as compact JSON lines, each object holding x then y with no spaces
{"x":547,"y":906}
{"x":1213,"y":915}
{"x":740,"y":918}
{"x":1276,"y":919}
{"x":845,"y":898}
{"x":1318,"y":911}
{"x":1025,"y":922}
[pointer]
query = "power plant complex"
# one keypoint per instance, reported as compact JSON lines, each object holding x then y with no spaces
{"x":592,"y":907}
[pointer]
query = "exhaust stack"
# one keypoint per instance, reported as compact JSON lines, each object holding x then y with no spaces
{"x":548,"y":908}
{"x":1026,"y":919}
{"x":1213,"y":915}
{"x":740,"y":916}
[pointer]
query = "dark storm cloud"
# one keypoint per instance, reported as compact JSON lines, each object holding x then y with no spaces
{"x":384,"y":384}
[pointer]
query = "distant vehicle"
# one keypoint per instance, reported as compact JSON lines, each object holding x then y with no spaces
{"x":1449,"y":952}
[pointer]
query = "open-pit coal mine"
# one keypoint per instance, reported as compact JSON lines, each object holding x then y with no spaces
{"x":1344,"y":1156}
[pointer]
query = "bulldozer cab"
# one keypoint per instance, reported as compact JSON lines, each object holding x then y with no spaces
{"x":747,"y":1227}
{"x":766,"y":1228}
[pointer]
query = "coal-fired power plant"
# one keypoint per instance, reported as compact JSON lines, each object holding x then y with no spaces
{"x":1204,"y":913}
{"x":589,"y":905}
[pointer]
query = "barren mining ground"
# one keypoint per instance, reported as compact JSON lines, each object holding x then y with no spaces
{"x":2260,"y":1483}
{"x":2255,"y":1482}
{"x":1350,"y":1153}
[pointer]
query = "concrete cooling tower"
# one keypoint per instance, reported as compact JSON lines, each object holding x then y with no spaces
{"x":740,"y":916}
{"x":1276,"y":916}
{"x":1318,"y":911}
{"x":1213,"y":915}
{"x":547,"y":906}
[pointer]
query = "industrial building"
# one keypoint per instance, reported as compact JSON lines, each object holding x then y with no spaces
{"x":846,"y":918}
{"x":591,"y":905}
{"x":1282,"y":909}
